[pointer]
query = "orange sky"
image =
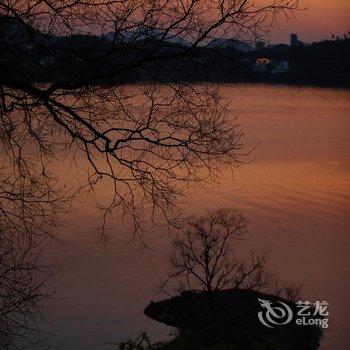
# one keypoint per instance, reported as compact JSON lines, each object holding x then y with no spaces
{"x":321,"y":19}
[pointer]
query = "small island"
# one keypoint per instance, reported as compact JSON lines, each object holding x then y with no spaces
{"x":232,"y":322}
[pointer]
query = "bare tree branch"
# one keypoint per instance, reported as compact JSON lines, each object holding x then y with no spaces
{"x":62,"y":97}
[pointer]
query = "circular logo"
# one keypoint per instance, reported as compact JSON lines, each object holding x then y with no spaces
{"x":271,"y":316}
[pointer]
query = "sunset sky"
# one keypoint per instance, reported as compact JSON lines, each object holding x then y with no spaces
{"x":321,"y":19}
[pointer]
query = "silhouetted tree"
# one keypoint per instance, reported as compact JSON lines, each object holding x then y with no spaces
{"x":29,"y":210}
{"x":203,"y":255}
{"x":150,"y":141}
{"x":64,"y":66}
{"x":24,"y":289}
{"x":62,"y":98}
{"x":204,"y":258}
{"x":219,"y":295}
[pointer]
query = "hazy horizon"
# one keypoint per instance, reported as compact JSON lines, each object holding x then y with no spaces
{"x":319,"y":21}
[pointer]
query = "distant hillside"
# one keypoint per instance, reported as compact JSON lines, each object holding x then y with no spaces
{"x":321,"y":63}
{"x":33,"y":56}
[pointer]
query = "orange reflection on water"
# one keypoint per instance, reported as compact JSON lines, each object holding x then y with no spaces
{"x":295,"y":194}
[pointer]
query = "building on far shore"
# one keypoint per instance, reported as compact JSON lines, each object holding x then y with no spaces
{"x":262,"y":64}
{"x":267,"y":65}
{"x":294,"y":41}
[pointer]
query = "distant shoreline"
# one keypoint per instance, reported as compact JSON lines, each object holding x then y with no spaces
{"x":243,"y":82}
{"x":295,"y":83}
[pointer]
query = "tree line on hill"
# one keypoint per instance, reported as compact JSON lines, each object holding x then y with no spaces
{"x":74,"y":57}
{"x":321,"y":63}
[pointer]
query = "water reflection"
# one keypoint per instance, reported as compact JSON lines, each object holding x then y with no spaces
{"x":295,"y":194}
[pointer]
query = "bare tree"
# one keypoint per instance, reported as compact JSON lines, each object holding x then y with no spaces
{"x":29,"y":210}
{"x":63,"y":98}
{"x":24,"y":289}
{"x":204,"y":258}
{"x":107,"y":85}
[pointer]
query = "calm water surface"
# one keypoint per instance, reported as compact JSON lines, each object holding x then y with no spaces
{"x":295,"y":194}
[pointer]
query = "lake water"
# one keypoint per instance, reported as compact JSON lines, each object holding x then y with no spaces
{"x":295,"y":194}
